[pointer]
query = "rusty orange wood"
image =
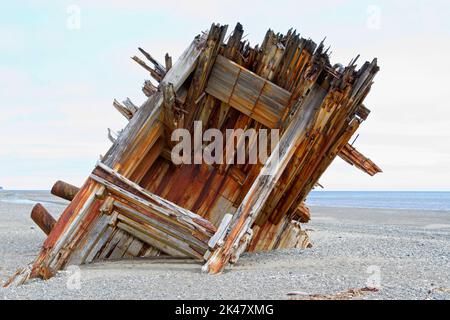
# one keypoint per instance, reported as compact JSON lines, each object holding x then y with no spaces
{"x":64,"y":190}
{"x":43,"y":218}
{"x":226,"y":86}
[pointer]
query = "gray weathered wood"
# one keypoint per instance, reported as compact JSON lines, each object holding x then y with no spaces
{"x":244,"y":90}
{"x":255,"y":199}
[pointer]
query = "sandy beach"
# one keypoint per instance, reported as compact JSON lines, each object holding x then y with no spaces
{"x":408,"y":251}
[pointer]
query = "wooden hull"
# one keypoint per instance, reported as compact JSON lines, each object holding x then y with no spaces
{"x":138,"y":203}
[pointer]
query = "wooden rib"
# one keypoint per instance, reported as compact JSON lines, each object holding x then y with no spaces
{"x":148,"y":160}
{"x":355,"y":158}
{"x":126,"y":112}
{"x":159,"y":68}
{"x":148,"y":88}
{"x":168,"y":61}
{"x":164,"y":226}
{"x":78,"y":217}
{"x":155,"y":75}
{"x":247,"y":92}
{"x":253,"y":203}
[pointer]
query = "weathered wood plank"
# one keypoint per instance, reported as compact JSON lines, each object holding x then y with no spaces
{"x":181,"y":213}
{"x":162,"y":226}
{"x":149,"y":239}
{"x":129,"y":146}
{"x":162,"y":212}
{"x":91,"y":242}
{"x":155,"y":75}
{"x":159,"y":68}
{"x":355,"y":158}
{"x":255,"y":199}
{"x":163,"y":241}
{"x":249,"y":93}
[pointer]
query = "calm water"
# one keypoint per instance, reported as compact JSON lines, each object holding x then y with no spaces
{"x":354,"y":199}
{"x":383,"y":200}
{"x":29,"y":197}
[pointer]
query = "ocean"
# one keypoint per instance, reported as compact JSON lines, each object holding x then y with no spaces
{"x":29,"y":197}
{"x":436,"y":201}
{"x":420,"y":200}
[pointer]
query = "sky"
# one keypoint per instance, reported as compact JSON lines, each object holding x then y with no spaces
{"x":63,"y":62}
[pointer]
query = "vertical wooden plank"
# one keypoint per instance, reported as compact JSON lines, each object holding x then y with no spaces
{"x":253,"y":202}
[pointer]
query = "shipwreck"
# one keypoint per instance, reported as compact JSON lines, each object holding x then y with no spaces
{"x":138,"y":203}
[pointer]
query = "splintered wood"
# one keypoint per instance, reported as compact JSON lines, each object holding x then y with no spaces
{"x":138,"y":203}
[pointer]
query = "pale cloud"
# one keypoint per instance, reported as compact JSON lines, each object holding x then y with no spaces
{"x":13,"y":40}
{"x":57,"y":86}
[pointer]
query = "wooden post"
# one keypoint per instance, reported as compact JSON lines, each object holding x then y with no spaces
{"x":155,"y":75}
{"x":128,"y":109}
{"x":355,"y":158}
{"x":64,"y":190}
{"x":132,"y":197}
{"x":159,"y":68}
{"x":203,"y":70}
{"x":168,"y":60}
{"x":43,"y":218}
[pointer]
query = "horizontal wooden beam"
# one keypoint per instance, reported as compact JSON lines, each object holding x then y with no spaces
{"x":169,"y":208}
{"x":154,"y":220}
{"x":302,"y":213}
{"x":155,"y":75}
{"x":131,"y":143}
{"x":145,"y":217}
{"x":247,"y":92}
{"x":362,"y":112}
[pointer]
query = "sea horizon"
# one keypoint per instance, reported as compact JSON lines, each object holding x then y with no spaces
{"x":394,"y":200}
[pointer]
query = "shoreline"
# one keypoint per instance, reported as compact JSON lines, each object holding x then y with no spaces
{"x":410,"y":248}
{"x":447,"y":211}
{"x":36,"y":196}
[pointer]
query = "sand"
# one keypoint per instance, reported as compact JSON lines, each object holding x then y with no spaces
{"x":406,"y":253}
